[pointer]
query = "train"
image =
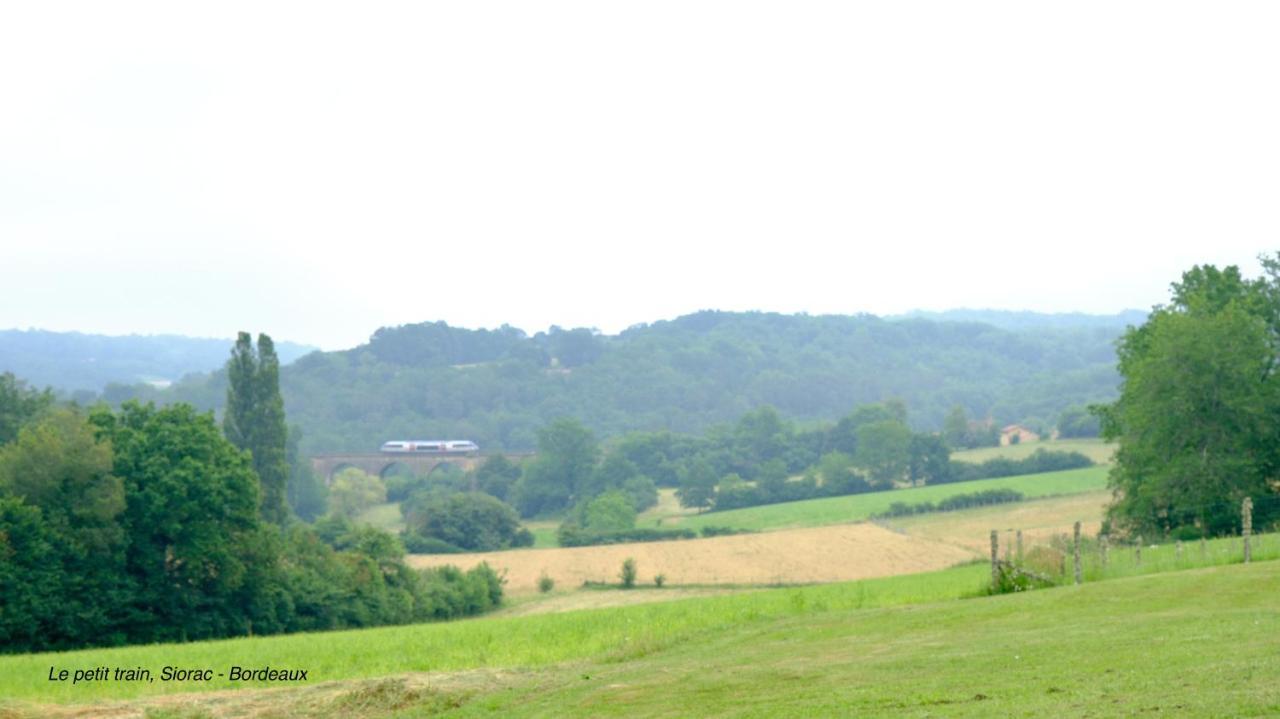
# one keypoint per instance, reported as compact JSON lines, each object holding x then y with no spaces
{"x":430,"y":446}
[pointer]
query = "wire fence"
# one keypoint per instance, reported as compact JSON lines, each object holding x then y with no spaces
{"x":1019,"y":563}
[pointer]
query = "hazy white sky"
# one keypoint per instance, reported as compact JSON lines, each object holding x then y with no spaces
{"x":317,"y":170}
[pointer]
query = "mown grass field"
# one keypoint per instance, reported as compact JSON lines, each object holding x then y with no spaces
{"x":1095,"y":449}
{"x":1185,"y":643}
{"x":857,"y":507}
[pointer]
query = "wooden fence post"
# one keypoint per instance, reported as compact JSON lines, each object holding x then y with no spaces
{"x":1076,"y":554}
{"x":1019,"y":546}
{"x":1246,"y":523}
{"x":995,"y":559}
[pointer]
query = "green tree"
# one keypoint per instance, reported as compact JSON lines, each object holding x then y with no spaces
{"x":354,"y":491}
{"x":697,"y":484}
{"x":19,"y":405}
{"x":566,"y":462}
{"x":254,"y":419}
{"x":34,"y":587}
{"x":610,"y":512}
{"x":1077,"y":422}
{"x":59,"y":468}
{"x":884,"y":451}
{"x":955,"y":429}
{"x":496,"y":476}
{"x":470,"y":520}
{"x":1196,"y":420}
{"x":642,"y":491}
{"x":192,"y":517}
{"x":930,"y":460}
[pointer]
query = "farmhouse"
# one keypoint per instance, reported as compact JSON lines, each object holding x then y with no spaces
{"x":1017,"y":434}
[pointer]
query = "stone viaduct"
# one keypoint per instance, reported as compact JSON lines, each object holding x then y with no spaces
{"x":379,"y":463}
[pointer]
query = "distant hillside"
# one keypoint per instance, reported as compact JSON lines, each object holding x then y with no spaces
{"x":1022,"y":320}
{"x":71,"y":361}
{"x":499,"y":386}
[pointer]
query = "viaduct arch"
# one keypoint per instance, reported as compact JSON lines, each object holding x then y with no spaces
{"x":376,"y":463}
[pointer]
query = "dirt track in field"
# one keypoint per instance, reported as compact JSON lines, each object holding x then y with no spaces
{"x":819,"y":554}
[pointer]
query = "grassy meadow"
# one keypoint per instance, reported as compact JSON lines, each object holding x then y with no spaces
{"x":857,"y":507}
{"x":921,"y":645}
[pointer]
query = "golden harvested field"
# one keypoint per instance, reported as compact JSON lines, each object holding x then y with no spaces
{"x":1039,"y":519}
{"x":817,"y":554}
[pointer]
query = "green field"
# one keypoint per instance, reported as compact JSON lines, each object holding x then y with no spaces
{"x":1197,"y":642}
{"x":527,"y":642}
{"x":857,"y":507}
{"x":1095,"y":449}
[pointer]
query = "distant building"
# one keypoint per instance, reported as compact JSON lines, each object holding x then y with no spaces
{"x":1017,"y":434}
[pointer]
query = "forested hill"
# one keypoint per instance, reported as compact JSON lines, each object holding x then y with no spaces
{"x":71,"y":361}
{"x":1022,"y":320}
{"x":499,"y":386}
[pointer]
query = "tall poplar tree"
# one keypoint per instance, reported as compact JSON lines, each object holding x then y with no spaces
{"x":254,"y":419}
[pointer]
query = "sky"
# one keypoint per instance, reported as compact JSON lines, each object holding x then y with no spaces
{"x":318,"y":170}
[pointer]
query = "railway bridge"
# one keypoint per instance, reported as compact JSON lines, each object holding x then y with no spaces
{"x":379,"y":463}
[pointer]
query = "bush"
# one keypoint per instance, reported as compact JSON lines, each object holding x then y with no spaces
{"x":1040,"y":461}
{"x":958,"y":501}
{"x":1010,"y":579}
{"x":659,"y":580}
{"x":571,"y":535}
{"x":545,"y":583}
{"x":418,"y":544}
{"x":474,"y":521}
{"x":628,"y":573}
{"x":714,"y":531}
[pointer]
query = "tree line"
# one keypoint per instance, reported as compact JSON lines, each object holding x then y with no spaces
{"x":500,"y":387}
{"x":597,"y":489}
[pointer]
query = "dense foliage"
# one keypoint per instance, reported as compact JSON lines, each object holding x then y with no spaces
{"x":499,"y":387}
{"x":143,"y":526}
{"x":472,"y":521}
{"x":253,"y":419}
{"x":1198,"y":418}
{"x":19,"y":405}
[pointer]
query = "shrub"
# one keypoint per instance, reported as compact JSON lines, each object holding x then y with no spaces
{"x":716,"y":531}
{"x":571,"y":535}
{"x":472,"y":520}
{"x":958,"y":501}
{"x":659,"y":580}
{"x":545,"y":583}
{"x":418,"y":544}
{"x":628,"y":573}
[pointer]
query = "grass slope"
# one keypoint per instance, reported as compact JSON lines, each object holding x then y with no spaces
{"x":1198,"y":643}
{"x":1189,"y":643}
{"x":857,"y":507}
{"x":496,"y":642}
